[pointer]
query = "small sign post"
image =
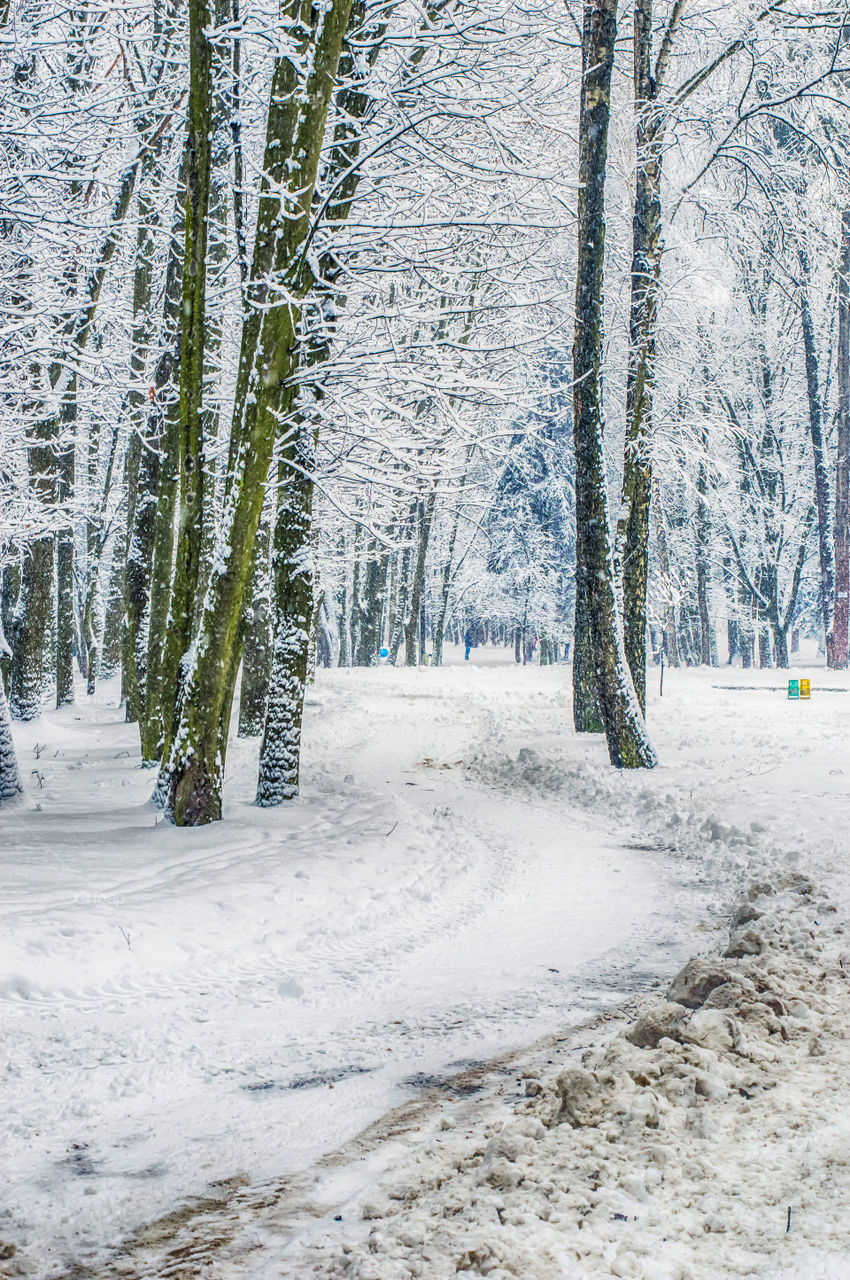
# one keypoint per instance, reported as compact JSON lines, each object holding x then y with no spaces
{"x":793,"y":688}
{"x":805,"y":688}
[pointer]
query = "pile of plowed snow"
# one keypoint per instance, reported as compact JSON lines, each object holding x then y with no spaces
{"x":704,"y":1140}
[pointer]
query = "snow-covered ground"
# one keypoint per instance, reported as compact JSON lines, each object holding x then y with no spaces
{"x":252,"y":1024}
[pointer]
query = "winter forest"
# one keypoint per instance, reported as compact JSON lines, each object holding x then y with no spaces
{"x":460,"y":388}
{"x":330,"y":332}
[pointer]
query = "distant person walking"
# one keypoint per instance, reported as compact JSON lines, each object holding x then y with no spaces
{"x":469,"y":641}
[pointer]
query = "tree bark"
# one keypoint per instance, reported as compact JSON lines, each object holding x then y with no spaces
{"x":634,"y":521}
{"x":143,"y":466}
{"x":193,"y":346}
{"x":65,"y":477}
{"x":703,"y":574}
{"x":10,"y":781}
{"x":825,"y":549}
{"x":280,"y":752}
{"x":587,"y":717}
{"x":31,"y":615}
{"x":837,"y":649}
{"x":412,"y":623}
{"x":164,"y":428}
{"x":625,"y":731}
{"x":280,"y":280}
{"x":257,"y":656}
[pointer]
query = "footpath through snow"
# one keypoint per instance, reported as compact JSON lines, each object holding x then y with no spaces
{"x":292,"y":1044}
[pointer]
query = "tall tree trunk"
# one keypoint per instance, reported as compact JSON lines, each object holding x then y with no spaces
{"x":10,"y":781}
{"x":587,"y":717}
{"x":634,"y":519}
{"x":402,"y":597}
{"x":30,"y":619}
{"x":625,"y":731}
{"x":827,"y":571}
{"x":142,"y":467}
{"x":371,"y":608}
{"x":257,"y":657}
{"x":280,"y":753}
{"x":164,"y":428}
{"x":412,"y":624}
{"x":193,"y":345}
{"x":446,"y":581}
{"x":671,"y":647}
{"x":703,"y":574}
{"x":837,"y":650}
{"x":65,"y":469}
{"x":280,"y":274}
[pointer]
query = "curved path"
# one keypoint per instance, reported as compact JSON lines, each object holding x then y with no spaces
{"x":186,"y":1008}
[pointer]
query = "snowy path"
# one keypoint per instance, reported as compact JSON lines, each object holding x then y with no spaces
{"x":461,"y":876}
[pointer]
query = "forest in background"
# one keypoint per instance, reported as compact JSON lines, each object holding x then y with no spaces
{"x":340,"y":327}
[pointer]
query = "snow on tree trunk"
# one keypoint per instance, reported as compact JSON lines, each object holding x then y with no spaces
{"x":280,"y":752}
{"x":193,"y":341}
{"x":10,"y":782}
{"x":586,"y":714}
{"x":280,"y":279}
{"x":827,"y":569}
{"x":257,"y":649}
{"x":633,"y":523}
{"x":65,"y":479}
{"x":163,"y":427}
{"x":841,"y":535}
{"x":628,"y":744}
{"x":32,"y":612}
{"x":425,"y":515}
{"x":142,"y":466}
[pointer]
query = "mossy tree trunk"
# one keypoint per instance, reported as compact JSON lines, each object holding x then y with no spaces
{"x":625,"y":731}
{"x":164,"y":429}
{"x":841,"y":527}
{"x":10,"y":780}
{"x":634,"y":520}
{"x":193,"y":345}
{"x":280,"y":753}
{"x":297,"y":115}
{"x":825,"y":546}
{"x":142,"y":468}
{"x":257,"y":657}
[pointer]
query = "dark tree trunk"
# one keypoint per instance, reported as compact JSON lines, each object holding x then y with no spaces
{"x":625,"y":731}
{"x":164,"y":427}
{"x":10,"y":781}
{"x":765,"y":655}
{"x":671,"y":646}
{"x":371,"y":609}
{"x":257,"y":656}
{"x":65,"y":468}
{"x":280,"y":753}
{"x":703,"y":573}
{"x":142,"y":469}
{"x":412,"y":626}
{"x":298,"y":110}
{"x":193,"y":348}
{"x":32,"y":613}
{"x":827,"y":572}
{"x":634,"y":521}
{"x":837,"y":650}
{"x":586,"y":714}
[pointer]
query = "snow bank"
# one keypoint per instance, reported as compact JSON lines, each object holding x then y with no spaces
{"x":702,"y":1141}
